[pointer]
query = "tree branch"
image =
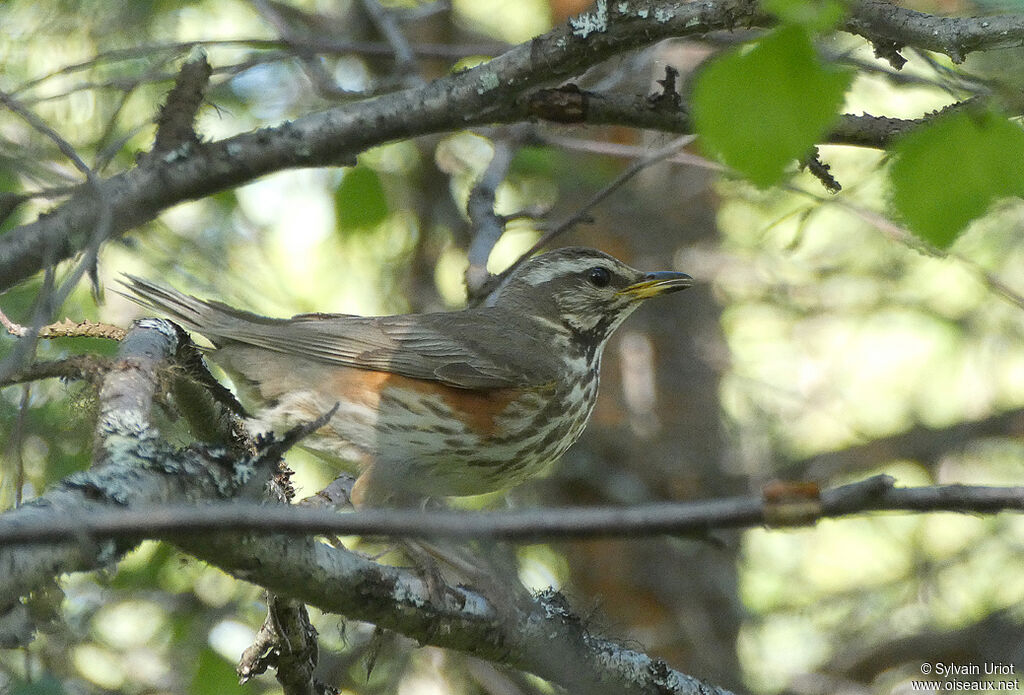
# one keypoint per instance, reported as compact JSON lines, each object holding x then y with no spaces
{"x":541,"y":635}
{"x":487,"y":226}
{"x":641,"y":163}
{"x":338,"y":581}
{"x":286,"y":641}
{"x":481,"y":95}
{"x":637,"y":111}
{"x":882,"y":22}
{"x":73,"y":367}
{"x":919,"y":443}
{"x":134,"y":467}
{"x":795,"y":505}
{"x":484,"y":94}
{"x":176,"y":124}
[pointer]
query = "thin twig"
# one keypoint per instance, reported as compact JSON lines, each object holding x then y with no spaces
{"x":14,"y":444}
{"x":38,"y":124}
{"x":875,"y":494}
{"x":73,"y":367}
{"x":323,"y":82}
{"x":903,"y":235}
{"x":631,"y":171}
{"x":583,"y":212}
{"x":320,"y":44}
{"x":488,"y":227}
{"x":51,"y":297}
{"x":65,"y":329}
{"x":24,"y":352}
{"x":386,"y":24}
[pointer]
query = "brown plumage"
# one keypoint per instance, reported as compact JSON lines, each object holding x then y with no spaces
{"x":453,"y":403}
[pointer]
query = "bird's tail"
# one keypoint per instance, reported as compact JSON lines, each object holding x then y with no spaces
{"x":213,"y":319}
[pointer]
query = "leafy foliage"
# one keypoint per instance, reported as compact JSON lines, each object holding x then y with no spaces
{"x":761,"y":106}
{"x":360,"y":202}
{"x":215,"y":676}
{"x":948,"y":173}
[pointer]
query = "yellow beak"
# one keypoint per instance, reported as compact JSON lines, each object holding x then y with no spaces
{"x":655,"y":284}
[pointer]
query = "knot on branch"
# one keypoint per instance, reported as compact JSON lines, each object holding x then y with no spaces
{"x":791,"y":503}
{"x":890,"y":51}
{"x":669,"y":97}
{"x":175,"y":126}
{"x":821,"y":171}
{"x":565,"y":104}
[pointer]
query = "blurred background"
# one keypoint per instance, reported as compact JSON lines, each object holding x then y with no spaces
{"x":818,"y":345}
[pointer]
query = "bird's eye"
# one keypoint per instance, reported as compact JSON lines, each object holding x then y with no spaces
{"x":598,"y":276}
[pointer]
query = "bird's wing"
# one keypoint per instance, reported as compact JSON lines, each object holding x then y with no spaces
{"x":465,"y":349}
{"x":452,"y":348}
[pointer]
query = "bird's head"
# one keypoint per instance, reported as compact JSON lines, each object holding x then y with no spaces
{"x":581,"y":290}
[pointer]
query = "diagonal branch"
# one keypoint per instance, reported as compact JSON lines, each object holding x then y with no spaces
{"x":583,"y":212}
{"x":488,"y":93}
{"x":542,"y":635}
{"x":481,"y":95}
{"x":925,"y":445}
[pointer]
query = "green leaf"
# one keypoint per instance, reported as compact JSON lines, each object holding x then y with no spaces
{"x":360,"y":202}
{"x":215,"y":676}
{"x":760,"y":107}
{"x":535,"y":161}
{"x":949,"y":172}
{"x":814,"y":15}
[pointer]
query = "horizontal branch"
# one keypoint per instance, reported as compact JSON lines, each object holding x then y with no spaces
{"x":73,"y":367}
{"x":878,"y":493}
{"x":540,"y":635}
{"x":882,"y":22}
{"x":864,"y":130}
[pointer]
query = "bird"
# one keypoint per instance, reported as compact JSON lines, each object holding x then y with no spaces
{"x":442,"y":404}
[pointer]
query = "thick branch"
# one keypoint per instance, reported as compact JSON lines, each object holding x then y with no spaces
{"x":133,"y":467}
{"x":541,"y":636}
{"x":126,"y":395}
{"x":485,"y":94}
